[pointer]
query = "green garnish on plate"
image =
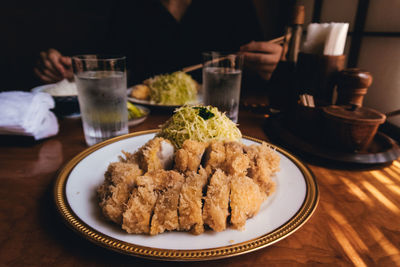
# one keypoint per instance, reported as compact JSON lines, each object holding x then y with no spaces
{"x":199,"y":123}
{"x":134,"y":112}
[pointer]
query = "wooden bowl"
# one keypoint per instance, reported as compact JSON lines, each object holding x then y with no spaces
{"x":351,"y":128}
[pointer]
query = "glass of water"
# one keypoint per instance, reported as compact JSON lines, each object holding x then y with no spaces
{"x":222,"y":77}
{"x":102,"y":95}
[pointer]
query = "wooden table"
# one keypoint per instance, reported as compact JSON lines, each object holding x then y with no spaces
{"x":357,"y":221}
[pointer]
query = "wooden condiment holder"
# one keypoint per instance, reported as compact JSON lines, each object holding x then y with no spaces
{"x":352,"y":86}
{"x":317,"y":74}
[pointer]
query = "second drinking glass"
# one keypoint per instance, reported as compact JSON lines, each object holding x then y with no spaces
{"x":102,"y":95}
{"x":222,"y":77}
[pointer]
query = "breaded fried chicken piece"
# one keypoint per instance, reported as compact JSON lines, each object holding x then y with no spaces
{"x":114,"y":192}
{"x":157,"y":193}
{"x":188,"y":158}
{"x":264,"y":163}
{"x":190,"y":202}
{"x":236,"y":162}
{"x":136,"y":218}
{"x":165,"y":216}
{"x":215,"y":210}
{"x":141,"y":91}
{"x":214,"y":156}
{"x":245,"y":200}
{"x":156,"y":154}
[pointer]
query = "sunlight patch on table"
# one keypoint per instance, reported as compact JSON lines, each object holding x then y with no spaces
{"x":393,"y":174}
{"x":343,"y":222}
{"x":380,"y":197}
{"x":385,"y":244}
{"x":386,"y":181}
{"x":345,"y":244}
{"x":355,"y":190}
{"x":381,"y":177}
{"x":396,"y":163}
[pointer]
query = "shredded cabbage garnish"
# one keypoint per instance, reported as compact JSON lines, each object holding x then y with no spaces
{"x":199,"y":123}
{"x":177,"y":88}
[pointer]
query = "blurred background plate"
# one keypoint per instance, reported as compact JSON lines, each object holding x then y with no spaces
{"x":152,"y":104}
{"x":65,"y":106}
{"x":136,"y":121}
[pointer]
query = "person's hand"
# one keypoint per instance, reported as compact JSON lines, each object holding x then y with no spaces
{"x":261,"y":57}
{"x":53,"y":67}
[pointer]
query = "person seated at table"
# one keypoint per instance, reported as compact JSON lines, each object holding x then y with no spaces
{"x":161,"y":36}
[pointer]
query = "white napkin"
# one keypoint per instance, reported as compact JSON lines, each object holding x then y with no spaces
{"x":326,"y":38}
{"x":24,"y":113}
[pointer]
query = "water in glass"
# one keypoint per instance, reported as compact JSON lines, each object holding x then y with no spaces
{"x":222,"y":89}
{"x":102,"y":100}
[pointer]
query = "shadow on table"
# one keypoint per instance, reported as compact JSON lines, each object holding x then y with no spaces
{"x":17,"y":141}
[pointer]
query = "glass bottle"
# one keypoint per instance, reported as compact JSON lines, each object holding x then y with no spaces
{"x":283,"y":81}
{"x":293,"y":35}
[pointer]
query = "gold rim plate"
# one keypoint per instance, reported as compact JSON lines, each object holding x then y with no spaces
{"x":117,"y":240}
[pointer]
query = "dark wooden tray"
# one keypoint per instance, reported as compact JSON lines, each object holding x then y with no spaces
{"x":383,"y":149}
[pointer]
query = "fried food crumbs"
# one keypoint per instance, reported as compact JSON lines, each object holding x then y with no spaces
{"x":264,"y":163}
{"x":166,"y":210}
{"x":119,"y":180}
{"x":215,"y":210}
{"x":156,"y":154}
{"x":210,"y":185}
{"x":190,"y":202}
{"x":245,"y":200}
{"x":189,"y":156}
{"x":140,"y":206}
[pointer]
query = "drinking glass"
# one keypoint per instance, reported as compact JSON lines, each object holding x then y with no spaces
{"x":222,"y":76}
{"x":102,"y":96}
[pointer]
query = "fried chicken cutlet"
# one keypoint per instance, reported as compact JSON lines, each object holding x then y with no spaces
{"x":153,"y":205}
{"x":190,"y":202}
{"x":235,"y":179}
{"x":114,"y":192}
{"x":156,"y":154}
{"x":236,"y":162}
{"x":245,"y":200}
{"x":188,"y":158}
{"x":214,"y":156}
{"x":264,"y":163}
{"x":165,"y":216}
{"x":215,"y":210}
{"x":140,"y":206}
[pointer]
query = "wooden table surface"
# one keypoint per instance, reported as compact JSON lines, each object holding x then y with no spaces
{"x":357,"y":221}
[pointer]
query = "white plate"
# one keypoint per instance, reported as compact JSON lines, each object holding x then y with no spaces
{"x":286,"y":210}
{"x":154,"y":104}
{"x":136,"y":121}
{"x":40,"y":88}
{"x":45,"y":87}
{"x":65,"y":105}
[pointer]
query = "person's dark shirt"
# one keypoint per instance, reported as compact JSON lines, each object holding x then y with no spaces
{"x":155,"y":43}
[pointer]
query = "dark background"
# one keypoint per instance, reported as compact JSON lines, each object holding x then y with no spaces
{"x":28,"y":27}
{"x":72,"y":26}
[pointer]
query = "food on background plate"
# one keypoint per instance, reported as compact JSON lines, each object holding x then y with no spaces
{"x":62,"y":88}
{"x":198,"y":185}
{"x":199,"y":123}
{"x":134,"y":112}
{"x":141,"y":91}
{"x":177,"y":88}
